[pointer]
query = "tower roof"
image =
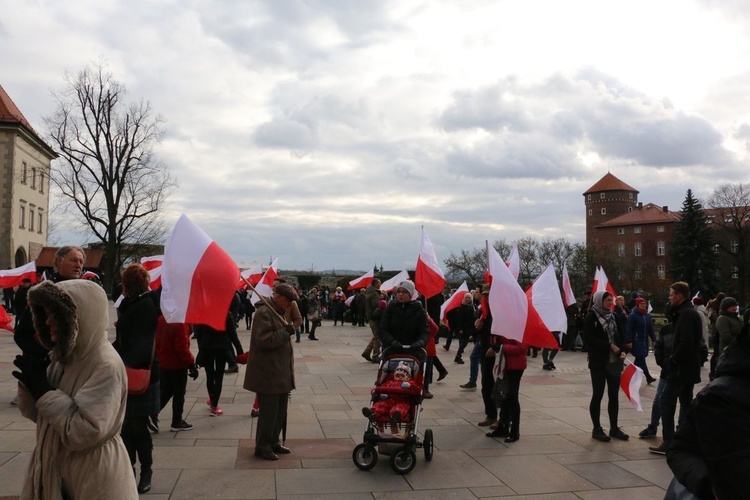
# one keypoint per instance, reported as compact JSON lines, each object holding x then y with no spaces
{"x":11,"y":115}
{"x":609,"y":183}
{"x":644,"y":214}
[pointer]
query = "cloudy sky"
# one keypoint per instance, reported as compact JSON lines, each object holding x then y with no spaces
{"x":326,"y":132}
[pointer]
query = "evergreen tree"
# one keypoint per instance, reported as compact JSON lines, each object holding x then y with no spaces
{"x":692,"y":255}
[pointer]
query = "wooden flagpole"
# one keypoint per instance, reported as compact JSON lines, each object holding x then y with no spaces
{"x":265,"y":301}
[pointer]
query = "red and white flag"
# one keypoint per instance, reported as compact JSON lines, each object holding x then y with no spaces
{"x":13,"y":277}
{"x":570,"y":297}
{"x":391,"y":284}
{"x":454,"y":301}
{"x":544,"y":293}
{"x":265,"y":285}
{"x":630,"y":382}
{"x":5,"y":320}
{"x":154,"y":277}
{"x":363,"y":281}
{"x":514,"y":262}
{"x":602,"y":284}
{"x":152,"y":262}
{"x":514,"y":315}
{"x":252,"y":274}
{"x":89,"y":275}
{"x":349,"y":300}
{"x":429,"y":278}
{"x":199,"y":279}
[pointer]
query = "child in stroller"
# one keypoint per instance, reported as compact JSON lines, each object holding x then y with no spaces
{"x":396,"y":395}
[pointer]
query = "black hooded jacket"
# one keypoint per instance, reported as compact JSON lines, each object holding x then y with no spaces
{"x":405,"y":322}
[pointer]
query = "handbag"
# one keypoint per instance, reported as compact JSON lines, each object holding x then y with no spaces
{"x":502,"y":385}
{"x":139,"y":378}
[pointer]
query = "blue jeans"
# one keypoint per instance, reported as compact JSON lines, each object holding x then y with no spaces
{"x":656,"y":407}
{"x":474,"y":359}
{"x":672,"y":392}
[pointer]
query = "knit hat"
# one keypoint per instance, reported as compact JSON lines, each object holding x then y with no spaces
{"x":640,"y":300}
{"x":408,"y":286}
{"x":382,"y":304}
{"x":403,"y":367}
{"x":728,"y":302}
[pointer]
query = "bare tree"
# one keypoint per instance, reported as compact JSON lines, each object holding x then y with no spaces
{"x":107,"y":170}
{"x":469,"y":265}
{"x":732,"y":202}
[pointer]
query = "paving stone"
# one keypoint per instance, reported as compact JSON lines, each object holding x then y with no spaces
{"x":535,"y":474}
{"x":607,"y":475}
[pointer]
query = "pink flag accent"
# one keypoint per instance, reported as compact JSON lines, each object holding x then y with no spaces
{"x":198,"y":277}
{"x":252,"y":274}
{"x":429,"y":278}
{"x":570,"y":297}
{"x":630,"y":382}
{"x":363,"y":281}
{"x":514,"y":315}
{"x":13,"y":277}
{"x":154,"y":277}
{"x":265,"y":285}
{"x":544,"y":294}
{"x":391,"y":284}
{"x":152,"y":262}
{"x":454,"y":301}
{"x":89,"y":275}
{"x":514,"y":263}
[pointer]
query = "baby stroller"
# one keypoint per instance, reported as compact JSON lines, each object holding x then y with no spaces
{"x":395,"y":405}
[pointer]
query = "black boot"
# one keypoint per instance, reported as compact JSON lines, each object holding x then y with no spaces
{"x":144,"y":485}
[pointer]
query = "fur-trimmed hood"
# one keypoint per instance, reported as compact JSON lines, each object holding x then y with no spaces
{"x":81,"y":311}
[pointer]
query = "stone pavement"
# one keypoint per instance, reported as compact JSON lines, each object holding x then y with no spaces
{"x":556,"y":458}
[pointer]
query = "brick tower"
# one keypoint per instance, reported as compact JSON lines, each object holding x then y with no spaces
{"x":605,"y":200}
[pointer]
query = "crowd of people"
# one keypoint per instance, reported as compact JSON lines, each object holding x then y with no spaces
{"x":103,"y":415}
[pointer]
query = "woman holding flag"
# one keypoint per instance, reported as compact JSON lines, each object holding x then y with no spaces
{"x":606,"y":352}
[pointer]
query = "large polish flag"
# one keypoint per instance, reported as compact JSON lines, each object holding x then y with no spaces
{"x":198,"y":278}
{"x":13,"y":277}
{"x":544,"y":293}
{"x":154,"y":277}
{"x":152,"y":262}
{"x":514,"y":262}
{"x":363,"y":281}
{"x":514,"y":316}
{"x":391,"y":284}
{"x":570,"y":297}
{"x":630,"y":382}
{"x":252,"y":274}
{"x":454,"y":301}
{"x":429,"y":278}
{"x":265,"y":285}
{"x":602,"y":284}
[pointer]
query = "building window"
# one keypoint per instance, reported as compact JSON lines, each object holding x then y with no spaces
{"x":638,"y":249}
{"x":735,"y":272}
{"x":24,"y":174}
{"x":22,"y":216}
{"x":33,"y":178}
{"x":637,"y":230}
{"x":621,"y":249}
{"x":733,"y":246}
{"x":591,"y":212}
{"x":638,"y":272}
{"x":604,"y":211}
{"x":661,"y":271}
{"x":31,"y":219}
{"x":588,"y":197}
{"x":39,"y":230}
{"x":659,"y":229}
{"x":630,"y":195}
{"x":601,"y":196}
{"x":660,"y":248}
{"x":41,"y":182}
{"x":710,"y":219}
{"x":620,"y":230}
{"x":630,"y":209}
{"x":728,"y":219}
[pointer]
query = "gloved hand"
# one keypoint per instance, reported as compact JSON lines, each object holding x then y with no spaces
{"x":193,"y":372}
{"x":242,"y":358}
{"x":396,"y":344}
{"x":289,"y":329}
{"x":33,"y":375}
{"x":417,"y":344}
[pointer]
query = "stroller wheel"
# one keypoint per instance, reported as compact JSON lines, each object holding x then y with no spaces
{"x":365,"y":456}
{"x":403,"y":460}
{"x":427,"y":444}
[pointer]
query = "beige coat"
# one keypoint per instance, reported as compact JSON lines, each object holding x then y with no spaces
{"x":78,"y":444}
{"x":270,"y":362}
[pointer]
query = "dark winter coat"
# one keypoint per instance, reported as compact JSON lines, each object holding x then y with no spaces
{"x":663,"y":349}
{"x":710,"y":453}
{"x":640,"y":328}
{"x":728,"y":326}
{"x":597,"y":340}
{"x":405,"y":322}
{"x":372,"y":296}
{"x":688,"y":333}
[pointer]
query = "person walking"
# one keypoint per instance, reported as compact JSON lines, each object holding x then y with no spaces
{"x":639,"y":330}
{"x":605,"y":352}
{"x":372,"y":296}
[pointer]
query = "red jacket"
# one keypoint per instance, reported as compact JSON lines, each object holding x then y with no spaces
{"x":430,"y":347}
{"x":173,"y":345}
{"x":515,"y":354}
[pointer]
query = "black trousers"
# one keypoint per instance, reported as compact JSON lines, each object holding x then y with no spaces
{"x":488,"y":383}
{"x":510,"y":415}
{"x":137,"y":440}
{"x":215,"y":360}
{"x":272,"y":410}
{"x":610,"y":376}
{"x":173,"y":384}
